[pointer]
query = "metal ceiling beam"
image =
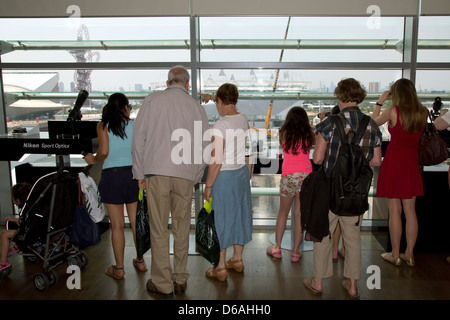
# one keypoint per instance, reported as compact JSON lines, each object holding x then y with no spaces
{"x":256,"y":95}
{"x":208,"y":44}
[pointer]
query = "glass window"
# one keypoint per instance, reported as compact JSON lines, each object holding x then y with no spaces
{"x":310,"y":89}
{"x":434,"y":31}
{"x":138,"y":82}
{"x":327,"y":33}
{"x":143,"y":31}
{"x":430,"y":85}
{"x":222,"y":39}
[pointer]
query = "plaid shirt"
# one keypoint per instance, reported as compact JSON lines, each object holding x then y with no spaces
{"x":370,"y":140}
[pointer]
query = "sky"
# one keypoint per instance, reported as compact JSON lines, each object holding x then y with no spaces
{"x":232,"y":28}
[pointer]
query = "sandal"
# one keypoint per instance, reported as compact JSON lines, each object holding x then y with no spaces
{"x":346,"y":285}
{"x":137,"y":264}
{"x":13,"y":250}
{"x":110,"y":271}
{"x":5,"y":265}
{"x":214,"y":273}
{"x":308,"y":284}
{"x":275,"y":254}
{"x":232,"y":264}
{"x":295,"y":257}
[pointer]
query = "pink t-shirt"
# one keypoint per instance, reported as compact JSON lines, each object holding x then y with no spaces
{"x":295,"y":163}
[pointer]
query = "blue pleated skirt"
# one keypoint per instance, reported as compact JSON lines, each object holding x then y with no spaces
{"x":232,"y":204}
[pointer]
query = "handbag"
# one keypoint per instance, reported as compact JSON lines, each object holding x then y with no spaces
{"x":432,"y":148}
{"x":84,"y":232}
{"x":143,"y":243}
{"x":206,"y":240}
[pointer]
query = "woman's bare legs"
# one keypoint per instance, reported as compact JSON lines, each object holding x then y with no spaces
{"x":285,"y":207}
{"x":116,"y":216}
{"x":5,"y":239}
{"x":237,"y":253}
{"x":412,"y":227}
{"x":395,"y":225}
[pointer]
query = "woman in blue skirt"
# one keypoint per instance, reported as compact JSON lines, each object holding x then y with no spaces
{"x":228,"y":181}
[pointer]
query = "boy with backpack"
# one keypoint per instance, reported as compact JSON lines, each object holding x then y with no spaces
{"x":348,"y":182}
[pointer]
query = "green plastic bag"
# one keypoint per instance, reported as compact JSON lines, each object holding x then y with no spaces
{"x":206,"y":240}
{"x":142,"y":225}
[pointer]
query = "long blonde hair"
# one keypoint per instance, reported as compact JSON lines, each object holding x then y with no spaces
{"x":413,"y":115}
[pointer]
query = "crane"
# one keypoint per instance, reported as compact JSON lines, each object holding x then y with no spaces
{"x":269,"y":110}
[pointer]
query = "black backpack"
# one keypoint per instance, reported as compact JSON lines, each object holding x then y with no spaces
{"x":352,"y":175}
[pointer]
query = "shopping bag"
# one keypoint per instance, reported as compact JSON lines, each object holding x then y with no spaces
{"x":85,"y":232}
{"x":206,"y":240}
{"x":143,"y":243}
{"x":93,"y":203}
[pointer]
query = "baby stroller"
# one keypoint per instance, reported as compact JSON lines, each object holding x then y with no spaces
{"x":45,"y":224}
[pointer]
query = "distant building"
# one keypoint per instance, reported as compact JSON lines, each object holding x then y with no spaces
{"x":374,"y":87}
{"x":31,"y":82}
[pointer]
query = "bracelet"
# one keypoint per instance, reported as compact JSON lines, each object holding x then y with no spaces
{"x":379,"y":104}
{"x":208,"y":187}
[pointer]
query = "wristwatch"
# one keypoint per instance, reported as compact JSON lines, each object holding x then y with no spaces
{"x":379,"y":104}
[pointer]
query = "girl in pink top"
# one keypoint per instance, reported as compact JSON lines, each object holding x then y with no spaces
{"x":296,"y":139}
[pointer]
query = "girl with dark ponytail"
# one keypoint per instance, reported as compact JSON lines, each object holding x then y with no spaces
{"x":113,"y":114}
{"x":117,"y":186}
{"x":296,"y":139}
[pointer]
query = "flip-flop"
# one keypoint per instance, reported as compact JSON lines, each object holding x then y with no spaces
{"x":110,"y":272}
{"x":308,"y":283}
{"x":5,"y":265}
{"x":275,"y":254}
{"x":295,"y":257}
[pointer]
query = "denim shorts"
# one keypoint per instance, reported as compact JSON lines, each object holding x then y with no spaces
{"x":117,"y":186}
{"x":292,"y":183}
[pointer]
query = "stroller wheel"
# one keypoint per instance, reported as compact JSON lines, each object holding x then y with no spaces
{"x":83,"y":258}
{"x":74,"y":261}
{"x":41,"y":281}
{"x":52,"y":277}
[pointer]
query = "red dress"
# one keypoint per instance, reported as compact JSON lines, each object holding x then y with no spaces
{"x":400,"y":175}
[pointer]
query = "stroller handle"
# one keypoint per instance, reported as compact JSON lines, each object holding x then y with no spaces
{"x":60,"y":168}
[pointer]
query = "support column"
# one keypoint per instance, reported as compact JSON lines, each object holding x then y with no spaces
{"x":6,"y":205}
{"x":195,"y":88}
{"x":410,"y":40}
